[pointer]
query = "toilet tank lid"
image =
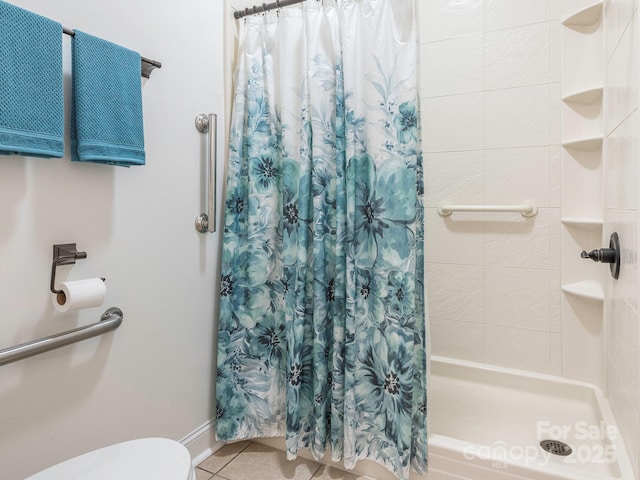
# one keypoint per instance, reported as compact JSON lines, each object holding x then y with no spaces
{"x":157,"y":458}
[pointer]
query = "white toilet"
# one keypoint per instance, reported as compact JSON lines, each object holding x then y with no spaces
{"x":145,"y":458}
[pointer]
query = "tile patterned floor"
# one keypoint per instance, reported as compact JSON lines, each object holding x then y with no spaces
{"x":253,"y":461}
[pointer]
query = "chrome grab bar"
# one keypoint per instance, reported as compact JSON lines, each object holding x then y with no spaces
{"x":110,"y":320}
{"x":528,"y":209}
{"x":206,"y":222}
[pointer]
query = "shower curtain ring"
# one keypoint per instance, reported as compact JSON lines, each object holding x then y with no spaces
{"x":254,"y":9}
{"x":264,"y":8}
{"x":246,"y":12}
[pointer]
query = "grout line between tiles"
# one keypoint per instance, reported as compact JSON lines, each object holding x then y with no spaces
{"x":205,"y":470}
{"x":315,"y":471}
{"x":227,"y":463}
{"x":211,"y":475}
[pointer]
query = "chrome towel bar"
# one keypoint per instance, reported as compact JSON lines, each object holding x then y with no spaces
{"x":146,"y":64}
{"x":527,"y":209}
{"x":110,"y":320}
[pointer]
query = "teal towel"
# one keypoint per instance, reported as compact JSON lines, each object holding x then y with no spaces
{"x":106,"y":124}
{"x":31,"y":104}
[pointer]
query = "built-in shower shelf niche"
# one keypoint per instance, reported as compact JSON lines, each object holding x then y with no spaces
{"x":582,"y":186}
{"x":582,"y":45}
{"x":591,"y":224}
{"x":589,"y":15}
{"x":588,"y":290}
{"x":585,"y":144}
{"x":573,"y":240}
{"x":581,"y":189}
{"x":587,"y":96}
{"x":582,"y":125}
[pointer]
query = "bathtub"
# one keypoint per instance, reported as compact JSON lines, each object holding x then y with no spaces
{"x":486,"y":423}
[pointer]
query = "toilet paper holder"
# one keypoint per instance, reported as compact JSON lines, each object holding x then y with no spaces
{"x":64,"y":254}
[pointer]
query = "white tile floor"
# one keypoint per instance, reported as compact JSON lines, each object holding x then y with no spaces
{"x":253,"y":461}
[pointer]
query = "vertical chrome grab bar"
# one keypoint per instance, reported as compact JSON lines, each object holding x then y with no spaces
{"x":206,"y":222}
{"x":110,"y":320}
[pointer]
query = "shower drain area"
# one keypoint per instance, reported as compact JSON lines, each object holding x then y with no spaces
{"x":556,"y":447}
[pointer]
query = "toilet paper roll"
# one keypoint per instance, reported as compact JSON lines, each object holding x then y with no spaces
{"x":78,"y":294}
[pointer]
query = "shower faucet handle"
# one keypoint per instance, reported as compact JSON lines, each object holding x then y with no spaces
{"x":609,"y":255}
{"x":603,"y":255}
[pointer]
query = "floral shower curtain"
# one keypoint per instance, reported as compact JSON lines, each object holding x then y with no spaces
{"x":322,"y":315}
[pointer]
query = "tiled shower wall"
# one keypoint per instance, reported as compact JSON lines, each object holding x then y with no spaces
{"x":621,"y":214}
{"x":490,"y":100}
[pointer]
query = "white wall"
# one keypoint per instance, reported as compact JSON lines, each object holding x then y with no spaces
{"x":622,"y":172}
{"x":490,"y":88}
{"x":153,"y":376}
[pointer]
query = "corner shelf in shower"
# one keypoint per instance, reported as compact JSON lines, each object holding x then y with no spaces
{"x":587,"y":96}
{"x":583,"y":223}
{"x":586,"y":289}
{"x":586,"y":16}
{"x":587,"y":144}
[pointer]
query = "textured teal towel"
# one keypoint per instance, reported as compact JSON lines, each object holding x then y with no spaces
{"x":31,"y":105}
{"x":106,"y":126}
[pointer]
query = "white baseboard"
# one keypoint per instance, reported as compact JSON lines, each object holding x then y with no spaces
{"x":201,"y":443}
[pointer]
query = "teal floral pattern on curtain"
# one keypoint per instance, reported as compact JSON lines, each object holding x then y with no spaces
{"x":322,"y":311}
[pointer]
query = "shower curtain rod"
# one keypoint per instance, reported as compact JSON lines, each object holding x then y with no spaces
{"x":264,"y":8}
{"x":146,"y":65}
